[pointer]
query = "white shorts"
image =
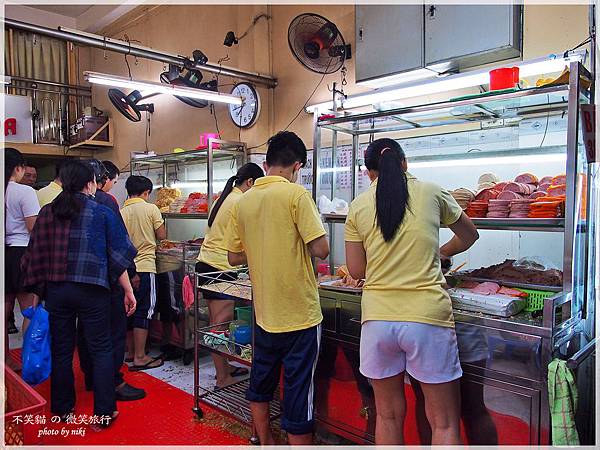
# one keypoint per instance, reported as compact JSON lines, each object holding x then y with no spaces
{"x":428,"y":353}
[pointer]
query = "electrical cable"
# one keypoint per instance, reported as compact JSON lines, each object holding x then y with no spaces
{"x":299,"y":112}
{"x":252,"y":25}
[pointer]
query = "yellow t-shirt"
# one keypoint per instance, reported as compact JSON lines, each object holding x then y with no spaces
{"x":213,"y":251}
{"x":273,"y":225}
{"x":142,"y":219}
{"x":46,"y":195}
{"x":403,"y":277}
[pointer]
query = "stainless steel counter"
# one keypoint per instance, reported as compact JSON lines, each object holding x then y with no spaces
{"x":503,"y":388}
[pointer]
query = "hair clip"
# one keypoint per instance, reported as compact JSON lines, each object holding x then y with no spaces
{"x":383,"y":151}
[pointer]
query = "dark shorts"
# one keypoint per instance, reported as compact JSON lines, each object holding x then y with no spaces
{"x":145,"y":296}
{"x":297,"y":352}
{"x":169,"y":302}
{"x":206,"y":268}
{"x":13,"y":278}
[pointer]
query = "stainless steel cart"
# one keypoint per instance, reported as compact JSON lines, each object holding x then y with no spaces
{"x":230,"y":399}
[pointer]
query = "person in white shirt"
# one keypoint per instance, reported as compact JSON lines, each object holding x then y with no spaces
{"x":21,"y":208}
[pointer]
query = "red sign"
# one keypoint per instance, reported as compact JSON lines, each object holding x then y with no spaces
{"x":10,"y":127}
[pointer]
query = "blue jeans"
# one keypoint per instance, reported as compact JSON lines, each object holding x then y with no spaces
{"x":66,"y":303}
{"x":118,"y":332}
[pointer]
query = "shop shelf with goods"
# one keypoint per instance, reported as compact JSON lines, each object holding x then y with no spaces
{"x":233,"y":340}
{"x":186,"y":184}
{"x":452,"y":143}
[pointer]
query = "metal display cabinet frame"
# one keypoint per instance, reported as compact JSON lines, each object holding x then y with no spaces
{"x":217,"y":150}
{"x":230,"y":399}
{"x":518,"y":348}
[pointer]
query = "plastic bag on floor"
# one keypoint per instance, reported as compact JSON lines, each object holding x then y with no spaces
{"x":37,"y":359}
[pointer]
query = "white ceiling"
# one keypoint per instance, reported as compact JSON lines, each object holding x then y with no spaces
{"x":64,"y":10}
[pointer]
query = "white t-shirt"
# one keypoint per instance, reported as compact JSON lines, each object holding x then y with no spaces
{"x":21,"y":201}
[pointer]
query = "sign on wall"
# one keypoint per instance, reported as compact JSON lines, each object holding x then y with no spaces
{"x":18,"y":126}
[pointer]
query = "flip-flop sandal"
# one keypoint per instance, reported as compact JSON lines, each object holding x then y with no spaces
{"x":128,"y":360}
{"x":237,"y":372}
{"x":135,"y":368}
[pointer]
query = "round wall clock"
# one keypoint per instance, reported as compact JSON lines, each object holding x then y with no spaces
{"x":246,"y":114}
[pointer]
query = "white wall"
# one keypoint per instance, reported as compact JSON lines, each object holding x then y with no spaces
{"x":38,"y":17}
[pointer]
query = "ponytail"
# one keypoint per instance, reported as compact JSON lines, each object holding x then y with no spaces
{"x":391,"y":197}
{"x":249,"y":171}
{"x":13,"y":158}
{"x":226,"y":191}
{"x":75,"y":177}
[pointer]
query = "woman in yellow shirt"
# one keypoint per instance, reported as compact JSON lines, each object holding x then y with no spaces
{"x":392,"y":240}
{"x":213,"y":257}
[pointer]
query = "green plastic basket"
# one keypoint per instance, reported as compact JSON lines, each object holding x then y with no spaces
{"x":244,"y":313}
{"x":535,"y":301}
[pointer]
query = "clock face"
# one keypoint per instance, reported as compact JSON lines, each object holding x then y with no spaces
{"x":245,"y":115}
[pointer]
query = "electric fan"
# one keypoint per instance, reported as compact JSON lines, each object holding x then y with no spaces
{"x":128,"y":104}
{"x":188,"y":78}
{"x":317,"y":43}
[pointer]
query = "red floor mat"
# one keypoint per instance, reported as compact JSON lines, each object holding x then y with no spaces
{"x":164,"y":417}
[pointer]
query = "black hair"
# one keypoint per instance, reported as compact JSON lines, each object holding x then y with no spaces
{"x":99,"y":170}
{"x":13,"y":158}
{"x":59,"y":166}
{"x":249,"y":171}
{"x":74,"y":177}
{"x":137,"y":185}
{"x":112,"y":171}
{"x":386,"y":157}
{"x":286,"y":149}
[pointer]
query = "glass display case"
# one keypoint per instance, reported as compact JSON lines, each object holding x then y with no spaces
{"x":185,"y":186}
{"x":451,"y":144}
{"x":194,"y":179}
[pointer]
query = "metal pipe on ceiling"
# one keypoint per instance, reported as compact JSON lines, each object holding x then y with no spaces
{"x":102,"y":42}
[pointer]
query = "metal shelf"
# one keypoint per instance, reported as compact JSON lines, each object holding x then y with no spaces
{"x":552,"y":225}
{"x":232,"y":401}
{"x":225,"y":150}
{"x":223,"y":346}
{"x":185,"y":216}
{"x":505,"y":109}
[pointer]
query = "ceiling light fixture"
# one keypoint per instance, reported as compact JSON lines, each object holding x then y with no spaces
{"x":160,"y":88}
{"x":450,"y":83}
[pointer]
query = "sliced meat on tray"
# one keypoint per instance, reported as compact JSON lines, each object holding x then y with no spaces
{"x":557,"y":190}
{"x":486,"y":195}
{"x":512,"y":292}
{"x":509,"y":195}
{"x":538,"y":194}
{"x":527,"y":178}
{"x":487,"y":288}
{"x":559,"y":179}
{"x":546,"y":180}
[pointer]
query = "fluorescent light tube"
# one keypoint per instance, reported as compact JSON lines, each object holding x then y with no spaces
{"x":523,"y":159}
{"x":160,"y":88}
{"x":450,"y":83}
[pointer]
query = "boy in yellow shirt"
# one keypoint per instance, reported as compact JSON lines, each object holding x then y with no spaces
{"x":145,"y":226}
{"x":277,"y":229}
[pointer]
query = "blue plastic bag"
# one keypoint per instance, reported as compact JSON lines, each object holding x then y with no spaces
{"x":37,"y":359}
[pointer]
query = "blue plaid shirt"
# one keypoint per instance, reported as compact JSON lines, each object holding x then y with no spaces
{"x":99,"y":249}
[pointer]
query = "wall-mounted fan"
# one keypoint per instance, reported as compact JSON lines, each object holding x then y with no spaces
{"x":189,"y":78}
{"x":317,"y":43}
{"x":128,"y":105}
